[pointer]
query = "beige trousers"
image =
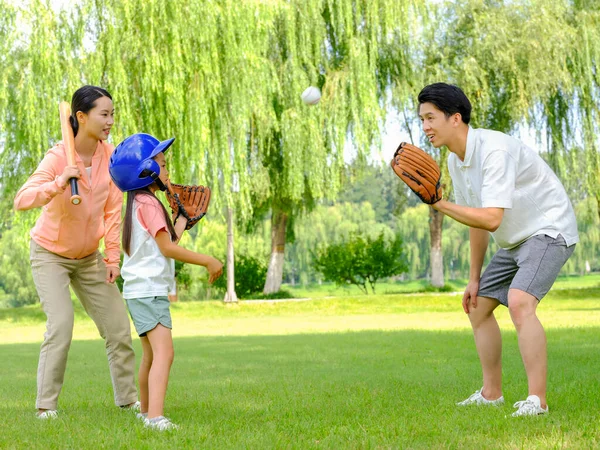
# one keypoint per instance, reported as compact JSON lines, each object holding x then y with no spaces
{"x":52,"y":275}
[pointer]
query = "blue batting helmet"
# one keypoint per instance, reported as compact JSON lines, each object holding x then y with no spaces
{"x":131,"y":165}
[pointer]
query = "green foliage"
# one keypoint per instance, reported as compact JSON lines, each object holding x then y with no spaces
{"x":249,"y":277}
{"x":280,"y":294}
{"x":16,"y":281}
{"x":225,"y":77}
{"x":379,"y":186}
{"x":361,"y":260}
{"x":526,"y":62}
{"x":328,"y":224}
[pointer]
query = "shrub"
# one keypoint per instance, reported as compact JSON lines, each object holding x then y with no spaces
{"x":362,"y":261}
{"x":250,"y":275}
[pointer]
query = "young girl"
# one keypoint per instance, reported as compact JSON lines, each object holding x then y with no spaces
{"x":64,"y":250}
{"x":150,"y":244}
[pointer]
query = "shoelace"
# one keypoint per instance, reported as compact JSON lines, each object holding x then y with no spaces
{"x":475,"y":396}
{"x":525,"y":405}
{"x":164,"y":424}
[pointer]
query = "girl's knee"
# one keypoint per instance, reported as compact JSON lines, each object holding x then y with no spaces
{"x":164,"y":355}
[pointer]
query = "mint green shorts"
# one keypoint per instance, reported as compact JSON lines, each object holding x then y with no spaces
{"x":148,"y":312}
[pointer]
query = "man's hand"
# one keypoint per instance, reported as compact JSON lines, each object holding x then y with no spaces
{"x":470,"y":296}
{"x":112,"y":273}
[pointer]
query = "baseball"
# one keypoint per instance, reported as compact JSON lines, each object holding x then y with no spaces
{"x":311,"y":95}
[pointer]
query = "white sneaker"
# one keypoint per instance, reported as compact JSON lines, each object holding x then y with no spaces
{"x":137,"y":406}
{"x":478,"y":399}
{"x":530,"y":407}
{"x":48,"y":414}
{"x":142,"y":416}
{"x":160,"y":423}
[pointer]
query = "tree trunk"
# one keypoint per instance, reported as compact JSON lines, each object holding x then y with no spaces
{"x":436,"y":219}
{"x":275,"y":272}
{"x":230,"y":295}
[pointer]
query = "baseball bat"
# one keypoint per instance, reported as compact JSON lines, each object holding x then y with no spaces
{"x":69,"y":143}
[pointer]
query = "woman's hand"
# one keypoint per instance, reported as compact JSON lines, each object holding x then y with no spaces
{"x":68,"y":173}
{"x":112,"y":273}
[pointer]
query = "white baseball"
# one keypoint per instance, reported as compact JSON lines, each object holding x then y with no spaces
{"x":311,"y":95}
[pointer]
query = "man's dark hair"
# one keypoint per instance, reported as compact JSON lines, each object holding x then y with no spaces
{"x":447,"y":98}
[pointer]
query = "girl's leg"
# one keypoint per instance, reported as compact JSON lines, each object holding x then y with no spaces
{"x":161,"y":342}
{"x":144,"y":372}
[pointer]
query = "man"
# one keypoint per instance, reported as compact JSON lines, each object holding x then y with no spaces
{"x":504,"y":188}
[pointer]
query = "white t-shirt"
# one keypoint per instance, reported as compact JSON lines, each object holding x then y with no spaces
{"x":500,"y":171}
{"x":146,"y":272}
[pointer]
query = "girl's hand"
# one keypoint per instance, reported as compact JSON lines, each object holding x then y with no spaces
{"x":215,"y":270}
{"x":68,"y":173}
{"x":112,"y":273}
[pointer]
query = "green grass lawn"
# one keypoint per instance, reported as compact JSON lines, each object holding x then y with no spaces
{"x":421,"y":285}
{"x":353,"y":372}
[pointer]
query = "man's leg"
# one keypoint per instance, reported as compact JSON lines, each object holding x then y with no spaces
{"x":489,"y":345}
{"x":532,"y":341}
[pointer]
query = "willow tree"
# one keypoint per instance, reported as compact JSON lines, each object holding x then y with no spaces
{"x":7,"y":42}
{"x":41,"y":68}
{"x":585,"y":64}
{"x":298,"y":158}
{"x":225,"y":78}
{"x":521,"y":63}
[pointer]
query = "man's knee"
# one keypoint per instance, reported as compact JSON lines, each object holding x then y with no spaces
{"x":521,"y":305}
{"x":484,"y":310}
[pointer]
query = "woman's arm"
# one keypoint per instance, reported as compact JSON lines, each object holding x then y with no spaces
{"x":112,"y":226}
{"x":44,"y":184}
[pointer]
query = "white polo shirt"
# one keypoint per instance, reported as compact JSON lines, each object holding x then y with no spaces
{"x":500,"y":171}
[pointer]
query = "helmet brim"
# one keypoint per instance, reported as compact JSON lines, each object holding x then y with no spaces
{"x":162,"y":147}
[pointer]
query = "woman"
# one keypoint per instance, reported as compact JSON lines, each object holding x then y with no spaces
{"x":64,"y":250}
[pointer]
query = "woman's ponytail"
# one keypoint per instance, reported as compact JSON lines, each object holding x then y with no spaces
{"x":74,"y":124}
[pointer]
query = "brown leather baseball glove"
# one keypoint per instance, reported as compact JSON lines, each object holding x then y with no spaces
{"x":419,"y":171}
{"x":190,"y":202}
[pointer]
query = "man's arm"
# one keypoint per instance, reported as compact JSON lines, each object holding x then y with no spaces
{"x":479,"y":240}
{"x":488,"y":219}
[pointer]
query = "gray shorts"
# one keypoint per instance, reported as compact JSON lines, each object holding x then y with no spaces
{"x":531,"y":267}
{"x":148,"y":312}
